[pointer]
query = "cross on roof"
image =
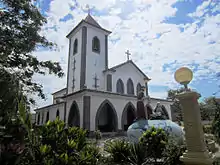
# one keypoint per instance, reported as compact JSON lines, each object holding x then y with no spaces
{"x":88,"y":9}
{"x":73,"y":83}
{"x":128,"y":54}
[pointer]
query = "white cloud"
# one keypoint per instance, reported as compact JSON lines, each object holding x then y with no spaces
{"x":162,"y":94}
{"x":138,"y":31}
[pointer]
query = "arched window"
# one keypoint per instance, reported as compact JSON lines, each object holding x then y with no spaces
{"x":47,"y":117}
{"x":138,"y":89}
{"x":120,"y":86}
{"x":130,"y":87}
{"x":38,"y":118}
{"x":58,"y":113}
{"x":75,"y":46}
{"x":96,"y":45}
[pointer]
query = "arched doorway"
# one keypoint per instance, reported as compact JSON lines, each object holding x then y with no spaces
{"x":58,"y":114}
{"x":128,"y":116}
{"x":74,"y":116}
{"x":106,"y":118}
{"x":149,"y":111}
{"x":47,"y":117}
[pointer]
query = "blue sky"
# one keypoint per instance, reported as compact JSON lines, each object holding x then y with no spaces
{"x":162,"y":35}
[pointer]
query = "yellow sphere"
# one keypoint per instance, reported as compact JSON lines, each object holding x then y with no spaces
{"x":183,"y":75}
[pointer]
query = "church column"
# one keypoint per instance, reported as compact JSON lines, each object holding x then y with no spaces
{"x":86,"y":112}
{"x":68,"y":65}
{"x":83,"y":58}
{"x":106,"y":52}
{"x":146,"y":80}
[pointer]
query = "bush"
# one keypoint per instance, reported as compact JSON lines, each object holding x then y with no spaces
{"x":138,"y":154}
{"x":119,"y":150}
{"x":59,"y":146}
{"x":216,"y":123}
{"x":172,"y":153}
{"x":155,"y":141}
{"x":98,"y":135}
{"x":155,"y":147}
{"x":207,"y":129}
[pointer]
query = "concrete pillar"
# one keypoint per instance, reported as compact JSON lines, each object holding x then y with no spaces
{"x":146,"y":89}
{"x":197,"y":153}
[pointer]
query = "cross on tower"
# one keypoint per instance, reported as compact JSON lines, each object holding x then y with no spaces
{"x":128,"y":54}
{"x":96,"y":80}
{"x":74,"y":64}
{"x":88,"y":8}
{"x":73,"y":83}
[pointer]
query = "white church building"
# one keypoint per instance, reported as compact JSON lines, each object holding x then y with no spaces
{"x":96,"y":96}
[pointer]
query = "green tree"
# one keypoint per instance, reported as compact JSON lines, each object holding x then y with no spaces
{"x":208,"y":108}
{"x":175,"y":107}
{"x":216,"y":123}
{"x":8,"y":101}
{"x":20,"y":24}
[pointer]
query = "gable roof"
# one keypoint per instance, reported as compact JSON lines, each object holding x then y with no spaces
{"x":59,"y":91}
{"x":122,"y":64}
{"x":91,"y":21}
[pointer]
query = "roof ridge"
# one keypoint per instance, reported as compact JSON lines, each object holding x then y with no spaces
{"x":91,"y":20}
{"x":128,"y":61}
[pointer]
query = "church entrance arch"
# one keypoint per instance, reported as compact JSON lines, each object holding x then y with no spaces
{"x":128,"y":116}
{"x":74,"y":116}
{"x":149,"y":111}
{"x":106,"y":117}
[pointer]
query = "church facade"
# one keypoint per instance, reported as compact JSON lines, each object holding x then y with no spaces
{"x":96,"y":96}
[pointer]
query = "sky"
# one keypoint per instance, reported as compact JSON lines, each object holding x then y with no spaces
{"x":162,"y":36}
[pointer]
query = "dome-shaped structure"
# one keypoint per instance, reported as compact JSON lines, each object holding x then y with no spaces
{"x":136,"y":130}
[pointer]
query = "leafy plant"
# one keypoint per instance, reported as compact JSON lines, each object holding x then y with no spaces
{"x":207,"y":129}
{"x":119,"y":150}
{"x":98,"y":135}
{"x":216,"y":123}
{"x":172,"y":153}
{"x":155,"y":141}
{"x":138,"y":154}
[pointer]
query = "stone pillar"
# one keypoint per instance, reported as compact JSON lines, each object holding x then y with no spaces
{"x":86,"y":112}
{"x":197,"y":153}
{"x":146,"y":88}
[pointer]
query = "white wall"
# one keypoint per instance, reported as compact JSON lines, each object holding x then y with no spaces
{"x":119,"y":103}
{"x":58,"y":94}
{"x":124,"y":73}
{"x":52,"y":112}
{"x":93,"y":58}
{"x":77,"y":57}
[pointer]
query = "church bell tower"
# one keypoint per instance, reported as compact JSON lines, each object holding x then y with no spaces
{"x":88,"y":56}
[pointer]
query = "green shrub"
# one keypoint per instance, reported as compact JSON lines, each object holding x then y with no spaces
{"x":138,"y":154}
{"x":173,"y":152}
{"x":207,"y":129}
{"x":155,"y":141}
{"x":59,"y":146}
{"x":119,"y":150}
{"x":216,"y":123}
{"x":155,"y":147}
{"x":98,"y":135}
